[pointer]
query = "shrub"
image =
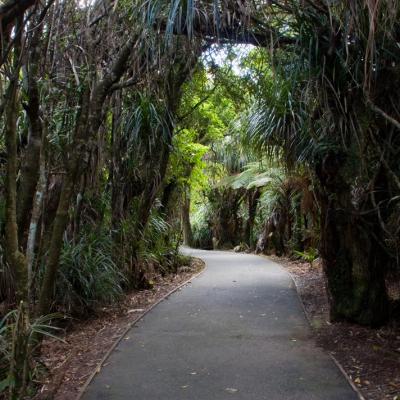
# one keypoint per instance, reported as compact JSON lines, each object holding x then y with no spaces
{"x":160,"y":245}
{"x":201,"y":228}
{"x":88,"y":277}
{"x":19,"y":338}
{"x":308,"y":255}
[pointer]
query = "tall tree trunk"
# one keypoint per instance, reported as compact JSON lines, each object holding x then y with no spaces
{"x":35,"y":218}
{"x":15,"y":257}
{"x":354,"y":263}
{"x":167,"y":195}
{"x":59,"y":225}
{"x":116,"y":167}
{"x":252,"y":201}
{"x":87,"y":124}
{"x":31,"y":161}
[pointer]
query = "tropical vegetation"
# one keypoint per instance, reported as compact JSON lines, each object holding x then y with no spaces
{"x":131,"y":127}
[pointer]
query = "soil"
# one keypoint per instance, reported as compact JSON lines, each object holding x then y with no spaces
{"x":370,"y":357}
{"x":72,"y":361}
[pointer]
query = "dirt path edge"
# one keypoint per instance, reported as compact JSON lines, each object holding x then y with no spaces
{"x":336,"y":362}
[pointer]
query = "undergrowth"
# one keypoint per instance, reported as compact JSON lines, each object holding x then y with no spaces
{"x":88,"y":277}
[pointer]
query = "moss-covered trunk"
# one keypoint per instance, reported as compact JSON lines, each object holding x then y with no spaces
{"x":31,"y":160}
{"x":87,"y":124}
{"x":59,"y":225}
{"x":14,"y":256}
{"x":354,"y":261}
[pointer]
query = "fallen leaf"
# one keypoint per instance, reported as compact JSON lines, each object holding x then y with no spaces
{"x":136,"y":310}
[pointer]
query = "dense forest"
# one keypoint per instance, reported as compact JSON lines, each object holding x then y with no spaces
{"x":129,"y":127}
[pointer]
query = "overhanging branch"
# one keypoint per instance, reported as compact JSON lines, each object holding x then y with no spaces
{"x":236,"y":32}
{"x":256,"y":39}
{"x":12,"y":9}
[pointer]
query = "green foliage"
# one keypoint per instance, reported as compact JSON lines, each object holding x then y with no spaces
{"x":19,"y":338}
{"x":206,"y":111}
{"x":146,"y":125}
{"x":160,"y":245}
{"x":323,"y":105}
{"x":308,"y":255}
{"x":88,"y":277}
{"x":253,"y":175}
{"x":186,"y":162}
{"x":201,"y":227}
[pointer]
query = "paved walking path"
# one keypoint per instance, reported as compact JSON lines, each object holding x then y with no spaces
{"x":237,"y":332}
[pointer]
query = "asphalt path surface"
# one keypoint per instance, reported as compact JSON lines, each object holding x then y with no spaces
{"x":237,"y":332}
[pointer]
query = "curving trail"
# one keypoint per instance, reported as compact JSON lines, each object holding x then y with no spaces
{"x":237,"y":332}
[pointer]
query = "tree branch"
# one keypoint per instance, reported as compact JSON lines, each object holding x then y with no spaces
{"x":12,"y":9}
{"x":233,"y":33}
{"x":122,"y":85}
{"x":198,"y":104}
{"x":378,"y":110}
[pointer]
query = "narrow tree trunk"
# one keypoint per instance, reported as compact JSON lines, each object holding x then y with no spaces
{"x":87,"y":124}
{"x":186,"y":226}
{"x":33,"y":226}
{"x":298,"y":241}
{"x":31,"y":162}
{"x":252,"y":201}
{"x":15,"y":258}
{"x":116,"y":166}
{"x":59,"y":225}
{"x":166,"y":197}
